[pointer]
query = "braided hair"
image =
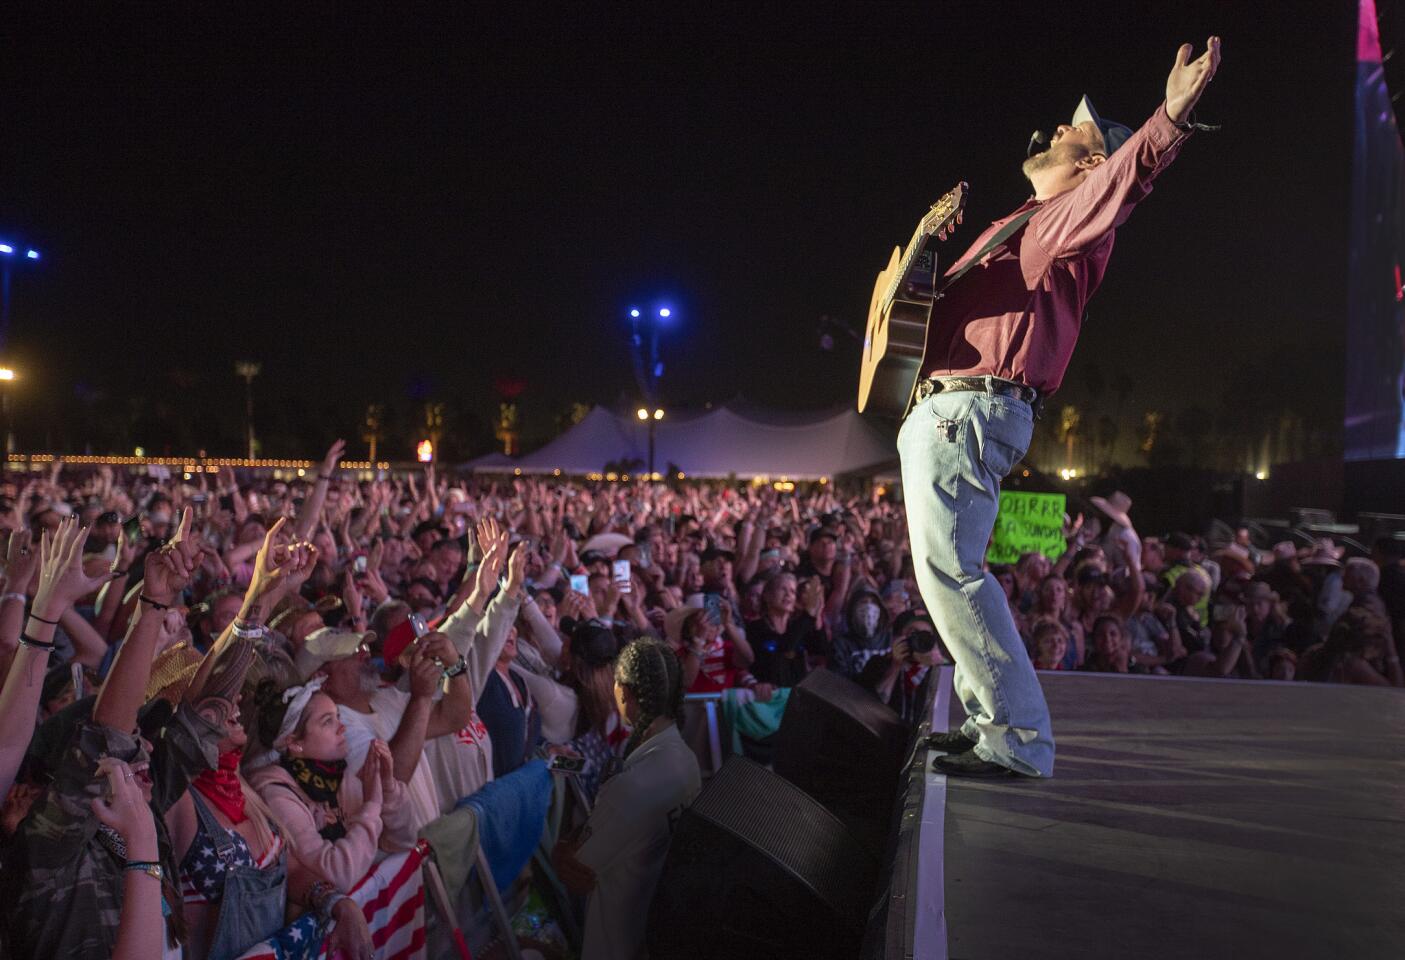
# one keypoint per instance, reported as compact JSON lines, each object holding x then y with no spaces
{"x":652,"y":673}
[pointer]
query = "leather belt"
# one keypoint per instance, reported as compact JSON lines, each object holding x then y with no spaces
{"x":992,"y":385}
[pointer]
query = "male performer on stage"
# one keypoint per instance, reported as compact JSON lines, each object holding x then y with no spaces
{"x":1000,"y":342}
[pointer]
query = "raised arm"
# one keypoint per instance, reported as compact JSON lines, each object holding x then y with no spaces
{"x":312,"y":507}
{"x":61,"y":580}
{"x":166,"y":573}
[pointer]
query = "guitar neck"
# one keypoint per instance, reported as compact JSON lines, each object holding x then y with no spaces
{"x":914,"y":249}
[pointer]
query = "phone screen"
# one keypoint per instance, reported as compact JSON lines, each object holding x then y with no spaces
{"x":580,"y":583}
{"x":621,"y":569}
{"x":360,"y":564}
{"x":131,"y":530}
{"x":565,"y":764}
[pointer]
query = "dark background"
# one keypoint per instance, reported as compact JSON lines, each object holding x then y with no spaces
{"x":418,"y":207}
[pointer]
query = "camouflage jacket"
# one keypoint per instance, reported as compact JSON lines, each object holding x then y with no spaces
{"x":62,"y":891}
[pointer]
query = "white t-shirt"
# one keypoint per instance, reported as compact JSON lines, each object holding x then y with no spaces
{"x":460,"y":762}
{"x":626,"y":841}
{"x":388,"y":706}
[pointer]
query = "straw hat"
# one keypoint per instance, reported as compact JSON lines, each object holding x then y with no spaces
{"x":673,"y":623}
{"x":1234,"y":558}
{"x":1115,"y":506}
{"x":172,"y":671}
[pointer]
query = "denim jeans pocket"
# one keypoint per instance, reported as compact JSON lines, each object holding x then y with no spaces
{"x":1006,"y":429}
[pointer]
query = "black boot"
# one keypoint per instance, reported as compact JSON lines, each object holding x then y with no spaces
{"x":953,"y":741}
{"x":969,"y":765}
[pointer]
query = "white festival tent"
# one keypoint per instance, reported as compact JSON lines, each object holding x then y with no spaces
{"x":722,"y":442}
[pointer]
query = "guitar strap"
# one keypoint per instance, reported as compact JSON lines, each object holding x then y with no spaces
{"x":1001,"y":235}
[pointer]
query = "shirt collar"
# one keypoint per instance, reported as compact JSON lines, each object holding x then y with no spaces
{"x":669,"y":733}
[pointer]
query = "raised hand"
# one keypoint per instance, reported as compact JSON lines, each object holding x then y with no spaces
{"x":126,"y":553}
{"x":61,"y":577}
{"x":125,"y":810}
{"x":273,"y":562}
{"x":333,"y":457}
{"x":1189,"y":78}
{"x":370,"y":774}
{"x":20,"y":562}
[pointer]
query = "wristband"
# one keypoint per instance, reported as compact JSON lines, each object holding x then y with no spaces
{"x":456,"y":669}
{"x":149,"y":867}
{"x":27,"y":641}
{"x":35,"y":616}
{"x":120,"y":572}
{"x":154,"y":605}
{"x":246,"y":632}
{"x":21,"y":597}
{"x":324,"y":476}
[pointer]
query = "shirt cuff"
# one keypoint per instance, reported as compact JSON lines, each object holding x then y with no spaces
{"x":1163,"y":132}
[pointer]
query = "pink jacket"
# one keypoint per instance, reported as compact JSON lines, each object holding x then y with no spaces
{"x":369,"y":826}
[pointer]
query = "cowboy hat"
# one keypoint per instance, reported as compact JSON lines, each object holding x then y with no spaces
{"x":1115,"y":506}
{"x":673,"y":622}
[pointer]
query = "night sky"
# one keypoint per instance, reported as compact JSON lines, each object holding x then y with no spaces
{"x":421,"y":206}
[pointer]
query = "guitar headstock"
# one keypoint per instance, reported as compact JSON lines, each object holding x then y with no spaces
{"x":946,"y":213}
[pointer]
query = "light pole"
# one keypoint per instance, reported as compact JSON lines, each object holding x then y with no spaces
{"x":248,"y":369}
{"x":7,"y":377}
{"x":9,"y":253}
{"x":648,"y":377}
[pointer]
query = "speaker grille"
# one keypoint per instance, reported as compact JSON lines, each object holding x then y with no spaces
{"x":778,"y":818}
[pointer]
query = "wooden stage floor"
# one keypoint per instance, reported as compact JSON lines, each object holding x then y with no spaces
{"x":1189,"y":819}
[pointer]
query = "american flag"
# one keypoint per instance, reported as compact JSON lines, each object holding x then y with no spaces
{"x":392,"y":898}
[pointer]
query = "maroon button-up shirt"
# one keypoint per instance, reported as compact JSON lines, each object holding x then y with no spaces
{"x":1017,"y":315}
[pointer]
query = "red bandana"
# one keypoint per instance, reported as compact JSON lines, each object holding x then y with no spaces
{"x":221,"y":787}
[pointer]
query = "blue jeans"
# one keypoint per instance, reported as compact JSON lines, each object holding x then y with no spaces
{"x":955,"y":449}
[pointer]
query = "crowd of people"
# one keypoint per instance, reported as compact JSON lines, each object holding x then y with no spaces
{"x":226,"y":698}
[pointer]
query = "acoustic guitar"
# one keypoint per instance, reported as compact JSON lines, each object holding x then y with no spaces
{"x":895,"y":339}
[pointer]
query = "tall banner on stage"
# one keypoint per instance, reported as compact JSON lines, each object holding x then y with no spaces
{"x":1027,"y":523}
{"x":1375,"y":382}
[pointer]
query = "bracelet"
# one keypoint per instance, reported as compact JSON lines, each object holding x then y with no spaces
{"x":154,"y":605}
{"x":27,"y":641}
{"x":148,"y":867}
{"x":456,"y":669}
{"x":35,"y":616}
{"x":21,"y":597}
{"x":246,"y":632}
{"x":121,"y":573}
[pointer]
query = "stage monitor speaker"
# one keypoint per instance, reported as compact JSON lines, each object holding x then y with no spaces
{"x":758,"y":869}
{"x":845,"y":748}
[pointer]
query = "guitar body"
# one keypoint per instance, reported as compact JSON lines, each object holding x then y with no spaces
{"x":895,"y":338}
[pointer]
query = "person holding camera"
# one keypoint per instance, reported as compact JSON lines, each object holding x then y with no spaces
{"x":900,"y":677}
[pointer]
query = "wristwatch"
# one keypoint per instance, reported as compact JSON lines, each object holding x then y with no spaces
{"x":456,"y":669}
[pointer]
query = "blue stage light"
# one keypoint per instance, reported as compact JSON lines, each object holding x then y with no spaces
{"x":6,"y":248}
{"x":665,"y":312}
{"x":32,"y":254}
{"x":634,"y":312}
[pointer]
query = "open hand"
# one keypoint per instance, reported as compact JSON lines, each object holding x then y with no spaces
{"x":1189,"y":78}
{"x":61,"y":577}
{"x":21,"y":560}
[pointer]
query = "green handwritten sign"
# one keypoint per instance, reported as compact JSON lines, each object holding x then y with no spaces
{"x":1027,"y":523}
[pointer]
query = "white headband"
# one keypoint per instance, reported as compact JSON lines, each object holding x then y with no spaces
{"x":297,"y":699}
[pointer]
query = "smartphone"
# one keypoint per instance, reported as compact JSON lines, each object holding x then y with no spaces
{"x":227,"y":502}
{"x":359,"y":564}
{"x":78,"y":692}
{"x":580,"y":583}
{"x":621,"y":570}
{"x":564,"y":764}
{"x":421,"y":628}
{"x":131,"y":529}
{"x":199,"y":498}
